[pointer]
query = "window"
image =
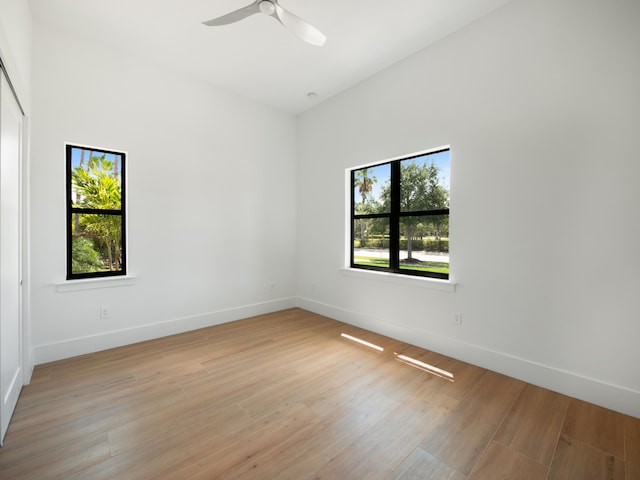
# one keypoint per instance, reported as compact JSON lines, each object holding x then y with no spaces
{"x":95,"y":213}
{"x":400,"y":215}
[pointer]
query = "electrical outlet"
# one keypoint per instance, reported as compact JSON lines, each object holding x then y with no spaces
{"x":105,"y":312}
{"x":457,"y":319}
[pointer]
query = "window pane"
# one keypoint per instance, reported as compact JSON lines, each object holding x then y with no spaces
{"x":97,"y":243}
{"x":95,"y":179}
{"x":424,"y":243}
{"x":371,"y":242}
{"x":424,"y":182}
{"x":371,"y":189}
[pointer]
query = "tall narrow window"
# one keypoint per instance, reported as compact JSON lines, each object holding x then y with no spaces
{"x":400,"y":215}
{"x":95,"y":212}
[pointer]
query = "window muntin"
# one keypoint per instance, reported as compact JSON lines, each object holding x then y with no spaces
{"x":400,"y":215}
{"x":96,"y":244}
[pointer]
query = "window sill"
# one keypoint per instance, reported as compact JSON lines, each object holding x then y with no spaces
{"x":93,"y":283}
{"x":420,"y":282}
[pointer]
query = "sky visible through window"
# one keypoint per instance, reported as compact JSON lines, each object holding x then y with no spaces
{"x":76,"y":154}
{"x":440,"y":159}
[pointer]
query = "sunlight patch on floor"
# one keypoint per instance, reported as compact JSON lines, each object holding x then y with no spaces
{"x":425,"y":366}
{"x":363,"y":342}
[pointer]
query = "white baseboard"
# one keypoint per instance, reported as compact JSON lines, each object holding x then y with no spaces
{"x":94,"y":343}
{"x":591,"y":390}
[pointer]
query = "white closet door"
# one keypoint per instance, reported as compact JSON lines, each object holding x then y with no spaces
{"x":10,"y":254}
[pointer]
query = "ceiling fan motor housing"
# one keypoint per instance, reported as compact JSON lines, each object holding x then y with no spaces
{"x":267,"y":7}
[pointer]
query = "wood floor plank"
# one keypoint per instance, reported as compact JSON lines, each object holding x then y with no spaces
{"x":499,"y":461}
{"x":595,"y":426}
{"x":422,"y":466}
{"x":632,"y":447}
{"x":532,"y":426}
{"x":63,"y":461}
{"x":577,"y":460}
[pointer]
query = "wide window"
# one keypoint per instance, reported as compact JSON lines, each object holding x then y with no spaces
{"x":95,"y":212}
{"x":400,"y":215}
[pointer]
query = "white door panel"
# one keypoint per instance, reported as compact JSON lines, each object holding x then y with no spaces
{"x":10,"y":254}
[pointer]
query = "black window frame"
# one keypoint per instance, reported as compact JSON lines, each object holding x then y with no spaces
{"x":72,"y":210}
{"x":395,"y":215}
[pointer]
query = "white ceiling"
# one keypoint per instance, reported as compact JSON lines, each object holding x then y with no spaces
{"x":257,"y":57}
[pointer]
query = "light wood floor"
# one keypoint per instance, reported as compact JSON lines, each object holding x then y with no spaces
{"x":285,"y":396}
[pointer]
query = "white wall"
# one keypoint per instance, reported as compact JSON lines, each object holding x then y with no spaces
{"x":15,"y":46}
{"x":541,"y":105}
{"x":211,"y":198}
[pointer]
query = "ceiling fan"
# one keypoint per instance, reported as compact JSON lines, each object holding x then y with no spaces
{"x":272,"y":8}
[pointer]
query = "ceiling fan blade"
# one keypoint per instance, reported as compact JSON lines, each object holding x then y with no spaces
{"x":234,"y":16}
{"x":299,"y":27}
